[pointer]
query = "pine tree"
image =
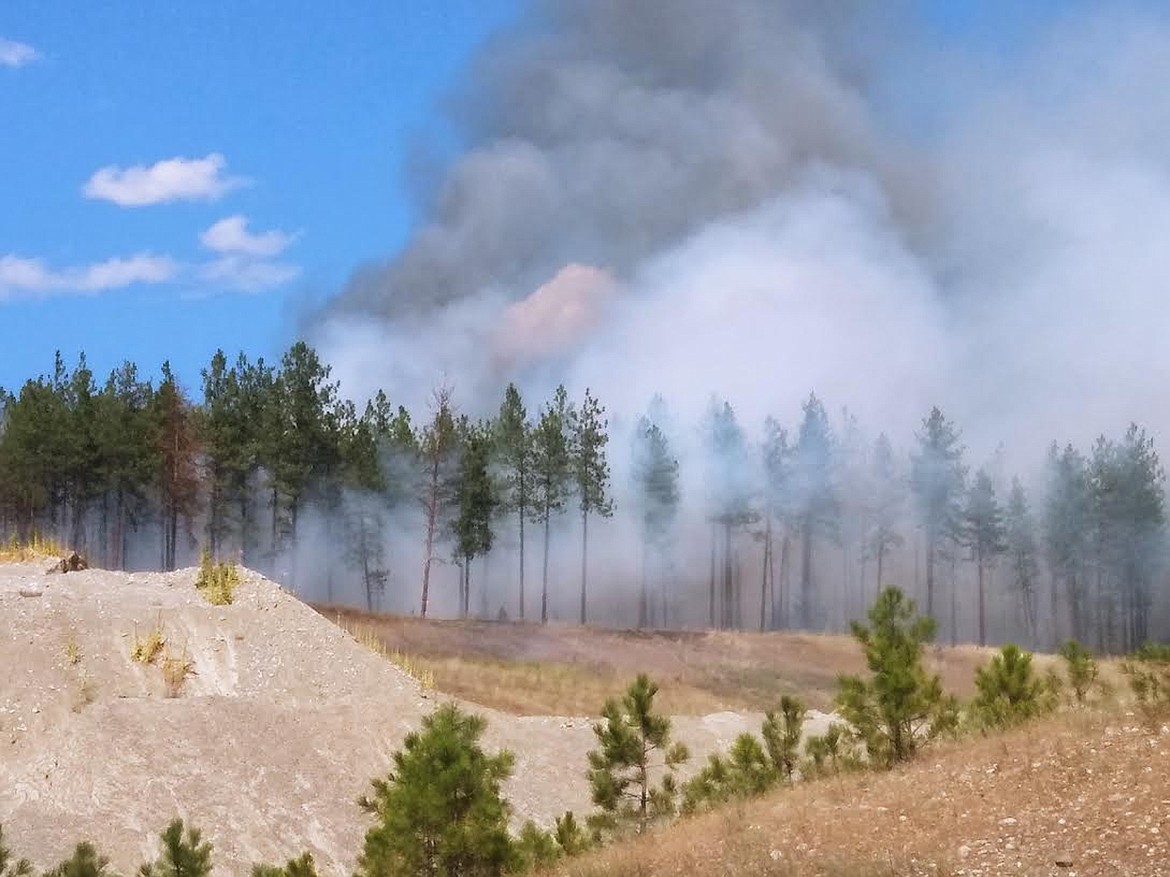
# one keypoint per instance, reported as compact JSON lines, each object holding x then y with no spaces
{"x":655,"y":475}
{"x":184,"y":854}
{"x":886,"y":498}
{"x":439,"y":811}
{"x":176,"y":451}
{"x":85,"y":862}
{"x":1067,"y":528}
{"x":514,"y":438}
{"x":729,"y":489}
{"x":985,"y":535}
{"x":633,"y":742}
{"x":299,"y":867}
{"x":814,"y":498}
{"x":1021,"y":550}
{"x":900,"y":706}
{"x":438,"y":446}
{"x":591,"y":473}
{"x":936,"y":481}
{"x":552,"y":470}
{"x":475,"y":504}
{"x":776,"y":460}
{"x":8,"y":867}
{"x":1009,"y":691}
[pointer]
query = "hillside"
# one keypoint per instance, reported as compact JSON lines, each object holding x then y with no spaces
{"x":283,"y":723}
{"x":1082,"y":794}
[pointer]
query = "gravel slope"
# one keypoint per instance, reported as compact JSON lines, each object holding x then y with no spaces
{"x":280,"y":728}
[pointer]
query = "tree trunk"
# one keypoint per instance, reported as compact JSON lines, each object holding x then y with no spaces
{"x":644,"y":599}
{"x":931,"y":547}
{"x":982,"y":604}
{"x":881,"y":557}
{"x":522,"y":516}
{"x":806,"y":575}
{"x":544,"y":574}
{"x":728,"y":585}
{"x":432,"y":511}
{"x":711,"y":589}
{"x":584,"y":560}
{"x":764,"y":575}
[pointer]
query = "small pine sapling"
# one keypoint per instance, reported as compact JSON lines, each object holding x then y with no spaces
{"x":900,"y":706}
{"x":1081,"y":667}
{"x":1009,"y":691}
{"x":184,"y":854}
{"x":8,"y":867}
{"x":85,"y":862}
{"x":782,"y":735}
{"x":301,"y":867}
{"x":633,"y":744}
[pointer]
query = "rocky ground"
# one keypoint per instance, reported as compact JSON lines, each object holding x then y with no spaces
{"x":277,"y":730}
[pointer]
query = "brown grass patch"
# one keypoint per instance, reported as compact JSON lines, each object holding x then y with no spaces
{"x":532,"y":669}
{"x":37,"y":547}
{"x":1085,"y":787}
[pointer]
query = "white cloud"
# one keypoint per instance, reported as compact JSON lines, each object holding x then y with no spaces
{"x":242,"y":274}
{"x":175,"y":179}
{"x":231,"y":235}
{"x":14,"y":54}
{"x":34,"y":277}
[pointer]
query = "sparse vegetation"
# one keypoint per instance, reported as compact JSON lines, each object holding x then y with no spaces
{"x":217,"y":581}
{"x":175,"y":670}
{"x":633,"y":744}
{"x":304,"y":866}
{"x":1081,"y":667}
{"x":72,"y":650}
{"x":86,"y":861}
{"x":10,"y":867}
{"x":415,"y":669}
{"x":184,"y":854}
{"x":1149,"y":679}
{"x":146,"y":650}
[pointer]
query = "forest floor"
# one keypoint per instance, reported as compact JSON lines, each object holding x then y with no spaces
{"x":285,"y":717}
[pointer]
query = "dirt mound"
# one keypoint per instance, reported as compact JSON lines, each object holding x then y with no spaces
{"x":281,"y":724}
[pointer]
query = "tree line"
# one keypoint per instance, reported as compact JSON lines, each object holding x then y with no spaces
{"x":801,"y":526}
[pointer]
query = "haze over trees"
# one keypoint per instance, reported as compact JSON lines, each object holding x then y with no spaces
{"x":649,"y":521}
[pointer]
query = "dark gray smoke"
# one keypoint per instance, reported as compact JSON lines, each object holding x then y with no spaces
{"x":757,"y":199}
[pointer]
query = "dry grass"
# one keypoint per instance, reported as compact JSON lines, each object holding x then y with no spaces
{"x":175,"y":670}
{"x":1087,"y":787}
{"x":365,"y":635}
{"x":146,"y":650}
{"x":531,"y":669}
{"x":217,"y":581}
{"x":37,"y":547}
{"x":72,"y":650}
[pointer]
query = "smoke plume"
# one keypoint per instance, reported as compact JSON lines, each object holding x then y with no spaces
{"x":758,"y":199}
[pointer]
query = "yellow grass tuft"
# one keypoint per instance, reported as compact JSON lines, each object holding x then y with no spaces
{"x":36,"y":547}
{"x":146,"y":650}
{"x":72,"y":650}
{"x":175,"y":670}
{"x":217,"y":581}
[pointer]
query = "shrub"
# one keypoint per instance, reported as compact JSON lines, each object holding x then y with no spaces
{"x":900,"y":706}
{"x":175,"y":670}
{"x":302,"y":867}
{"x":1149,"y":678}
{"x":1081,"y":668}
{"x":1010,"y":692}
{"x":536,"y":848}
{"x":782,"y":735}
{"x":184,"y":854}
{"x":571,"y":837}
{"x":9,"y":868}
{"x":831,"y":752}
{"x":217,"y":581}
{"x":439,"y":810}
{"x":633,"y":742}
{"x":85,"y":862}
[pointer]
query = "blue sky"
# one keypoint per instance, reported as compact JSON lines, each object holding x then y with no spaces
{"x":184,"y":176}
{"x":312,"y":112}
